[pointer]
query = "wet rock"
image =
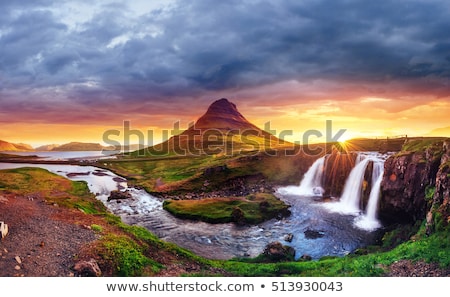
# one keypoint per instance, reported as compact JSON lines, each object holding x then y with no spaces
{"x":74,"y":174}
{"x":119,"y":195}
{"x":87,"y":268}
{"x":289,"y":237}
{"x":275,"y":251}
{"x":313,"y":234}
{"x":305,"y":258}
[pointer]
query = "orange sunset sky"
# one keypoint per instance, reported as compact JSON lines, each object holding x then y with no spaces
{"x":69,"y":71}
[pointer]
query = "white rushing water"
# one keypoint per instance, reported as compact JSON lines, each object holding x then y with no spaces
{"x":369,"y":220}
{"x":311,"y":184}
{"x":350,"y":200}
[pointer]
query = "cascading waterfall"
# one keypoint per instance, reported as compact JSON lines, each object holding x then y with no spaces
{"x":369,"y":220}
{"x":349,"y":202}
{"x":311,"y":184}
{"x":351,"y":195}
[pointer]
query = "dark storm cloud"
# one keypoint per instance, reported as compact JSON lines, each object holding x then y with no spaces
{"x":194,"y":47}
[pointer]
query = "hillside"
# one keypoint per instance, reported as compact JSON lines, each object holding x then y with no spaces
{"x":79,"y":146}
{"x":222,"y":130}
{"x":14,"y":147}
{"x":48,"y":147}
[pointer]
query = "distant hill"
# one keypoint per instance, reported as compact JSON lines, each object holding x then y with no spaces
{"x":79,"y":146}
{"x":47,"y":147}
{"x":221,"y":130}
{"x":14,"y":147}
{"x":444,"y":132}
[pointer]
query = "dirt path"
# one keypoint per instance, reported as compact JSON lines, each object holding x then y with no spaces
{"x":43,"y":239}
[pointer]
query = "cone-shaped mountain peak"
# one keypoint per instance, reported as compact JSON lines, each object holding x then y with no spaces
{"x":221,"y":130}
{"x":223,"y":114}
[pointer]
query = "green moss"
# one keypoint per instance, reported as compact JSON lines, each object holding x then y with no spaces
{"x":429,"y":192}
{"x":399,"y":235}
{"x":252,"y":210}
{"x":127,"y":256}
{"x":422,"y":144}
{"x":30,"y":181}
{"x":97,"y":228}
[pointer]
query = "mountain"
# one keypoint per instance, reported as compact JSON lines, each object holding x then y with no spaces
{"x":222,"y":114}
{"x":221,"y":130}
{"x":15,"y":147}
{"x":79,"y":146}
{"x":443,"y":132}
{"x":47,"y":147}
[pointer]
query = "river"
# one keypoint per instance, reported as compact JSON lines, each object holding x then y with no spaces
{"x":316,"y":231}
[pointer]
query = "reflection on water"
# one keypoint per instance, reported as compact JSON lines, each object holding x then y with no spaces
{"x":337,"y":234}
{"x":67,"y":155}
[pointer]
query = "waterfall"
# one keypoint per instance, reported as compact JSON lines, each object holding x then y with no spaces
{"x":353,"y":187}
{"x":349,"y":202}
{"x":369,"y":220}
{"x":311,"y":184}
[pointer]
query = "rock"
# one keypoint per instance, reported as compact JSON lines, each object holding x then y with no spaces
{"x":3,"y":229}
{"x":17,"y":267}
{"x":408,"y":178}
{"x":313,"y":234}
{"x":238,"y":216}
{"x":18,"y":260}
{"x":275,"y":251}
{"x":289,"y":237}
{"x":119,"y":195}
{"x":305,"y":258}
{"x":215,"y":170}
{"x":87,"y":268}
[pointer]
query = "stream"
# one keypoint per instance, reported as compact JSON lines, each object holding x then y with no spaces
{"x":316,"y":231}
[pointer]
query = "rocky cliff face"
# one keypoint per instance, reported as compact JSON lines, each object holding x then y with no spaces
{"x":439,"y":213}
{"x":414,"y":181}
{"x":337,"y":168}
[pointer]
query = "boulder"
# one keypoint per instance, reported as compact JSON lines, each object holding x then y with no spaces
{"x":289,"y":237}
{"x":87,"y":268}
{"x":275,"y":251}
{"x":119,"y":195}
{"x":238,"y":216}
{"x":313,"y":234}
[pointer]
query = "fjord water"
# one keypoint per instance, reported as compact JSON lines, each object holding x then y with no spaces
{"x":67,"y":155}
{"x":335,"y":234}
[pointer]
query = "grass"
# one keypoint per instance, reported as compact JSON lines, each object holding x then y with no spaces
{"x":432,"y":249}
{"x":252,"y":209}
{"x":52,"y":187}
{"x":121,"y":250}
{"x":124,"y":250}
{"x":417,"y":145}
{"x":182,"y":174}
